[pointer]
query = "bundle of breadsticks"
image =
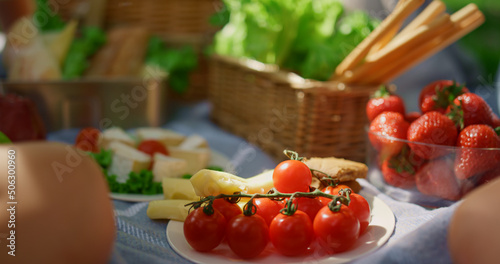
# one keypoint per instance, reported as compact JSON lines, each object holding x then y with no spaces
{"x":389,"y":50}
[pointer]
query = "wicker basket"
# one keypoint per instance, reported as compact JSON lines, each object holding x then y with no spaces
{"x":178,"y":22}
{"x":279,"y":110}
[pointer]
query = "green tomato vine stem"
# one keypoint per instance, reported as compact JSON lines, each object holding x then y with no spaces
{"x":290,"y":208}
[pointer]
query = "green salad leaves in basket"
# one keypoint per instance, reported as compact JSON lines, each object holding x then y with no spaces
{"x":307,"y":37}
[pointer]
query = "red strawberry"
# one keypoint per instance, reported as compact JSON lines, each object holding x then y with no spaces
{"x":438,"y":95}
{"x":471,"y":159}
{"x":388,"y":124}
{"x":432,"y":128}
{"x":469,"y":109}
{"x":412,"y":116}
{"x":20,"y":119}
{"x":436,"y":178}
{"x":489,"y":176}
{"x":383,"y":101}
{"x":399,"y":170}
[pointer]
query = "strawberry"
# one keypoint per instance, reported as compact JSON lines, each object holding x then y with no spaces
{"x":20,"y":119}
{"x":399,"y":170}
{"x":471,"y":159}
{"x":469,"y":109}
{"x":388,"y":124}
{"x":432,"y":128}
{"x":383,"y":101}
{"x":436,"y":178}
{"x":437,"y":95}
{"x":412,"y":116}
{"x":489,"y":176}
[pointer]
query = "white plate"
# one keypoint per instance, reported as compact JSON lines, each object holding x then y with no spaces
{"x":216,"y":159}
{"x":378,"y":232}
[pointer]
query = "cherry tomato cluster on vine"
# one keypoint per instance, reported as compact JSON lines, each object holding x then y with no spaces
{"x":291,"y":234}
{"x":291,"y":226}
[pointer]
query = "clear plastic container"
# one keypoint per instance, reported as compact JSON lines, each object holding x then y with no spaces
{"x":434,"y":182}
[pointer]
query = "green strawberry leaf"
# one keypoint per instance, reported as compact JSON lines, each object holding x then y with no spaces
{"x":382,"y":92}
{"x":456,"y":114}
{"x":400,"y":162}
{"x":447,"y":94}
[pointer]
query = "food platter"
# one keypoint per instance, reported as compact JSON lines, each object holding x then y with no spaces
{"x":216,"y":159}
{"x":380,"y":229}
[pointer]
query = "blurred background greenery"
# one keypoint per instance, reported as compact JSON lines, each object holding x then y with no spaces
{"x":484,"y":42}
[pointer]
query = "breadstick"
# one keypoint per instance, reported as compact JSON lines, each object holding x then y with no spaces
{"x":389,"y":36}
{"x":399,"y":48}
{"x":465,"y":20}
{"x":395,"y":18}
{"x":432,"y":11}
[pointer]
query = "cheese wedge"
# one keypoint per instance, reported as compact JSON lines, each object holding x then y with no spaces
{"x":179,"y":189}
{"x":209,"y":182}
{"x":193,"y":142}
{"x":168,"y":209}
{"x":197,"y":159}
{"x":127,"y":159}
{"x":261,"y":183}
{"x":168,"y":167}
{"x":166,"y":136}
{"x":115,"y":134}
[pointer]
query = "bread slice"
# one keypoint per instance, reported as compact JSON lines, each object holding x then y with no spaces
{"x":339,"y":169}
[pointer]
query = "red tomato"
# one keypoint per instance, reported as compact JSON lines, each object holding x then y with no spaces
{"x":333,"y":190}
{"x":247,"y":236}
{"x":267,"y":208}
{"x":361,"y":210}
{"x":292,"y":176}
{"x":226,"y":208}
{"x":88,"y":139}
{"x":310,"y":206}
{"x":336,"y":231}
{"x":150,"y":147}
{"x":291,"y":235}
{"x":204,"y":232}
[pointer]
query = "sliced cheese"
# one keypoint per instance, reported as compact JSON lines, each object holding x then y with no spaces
{"x":168,"y":209}
{"x":166,"y":136}
{"x":197,"y":159}
{"x":127,"y":159}
{"x":261,"y":183}
{"x":193,"y":142}
{"x":178,"y":188}
{"x":115,"y":134}
{"x":209,"y":182}
{"x":168,"y":167}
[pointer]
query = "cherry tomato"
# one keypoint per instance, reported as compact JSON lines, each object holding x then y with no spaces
{"x":151,"y":146}
{"x":226,"y":208}
{"x":88,"y":139}
{"x":292,"y":176}
{"x":267,"y":208}
{"x":204,"y":232}
{"x":336,"y":231}
{"x":291,"y":235}
{"x":361,"y":210}
{"x":310,"y":206}
{"x":333,"y":190}
{"x":247,"y":236}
